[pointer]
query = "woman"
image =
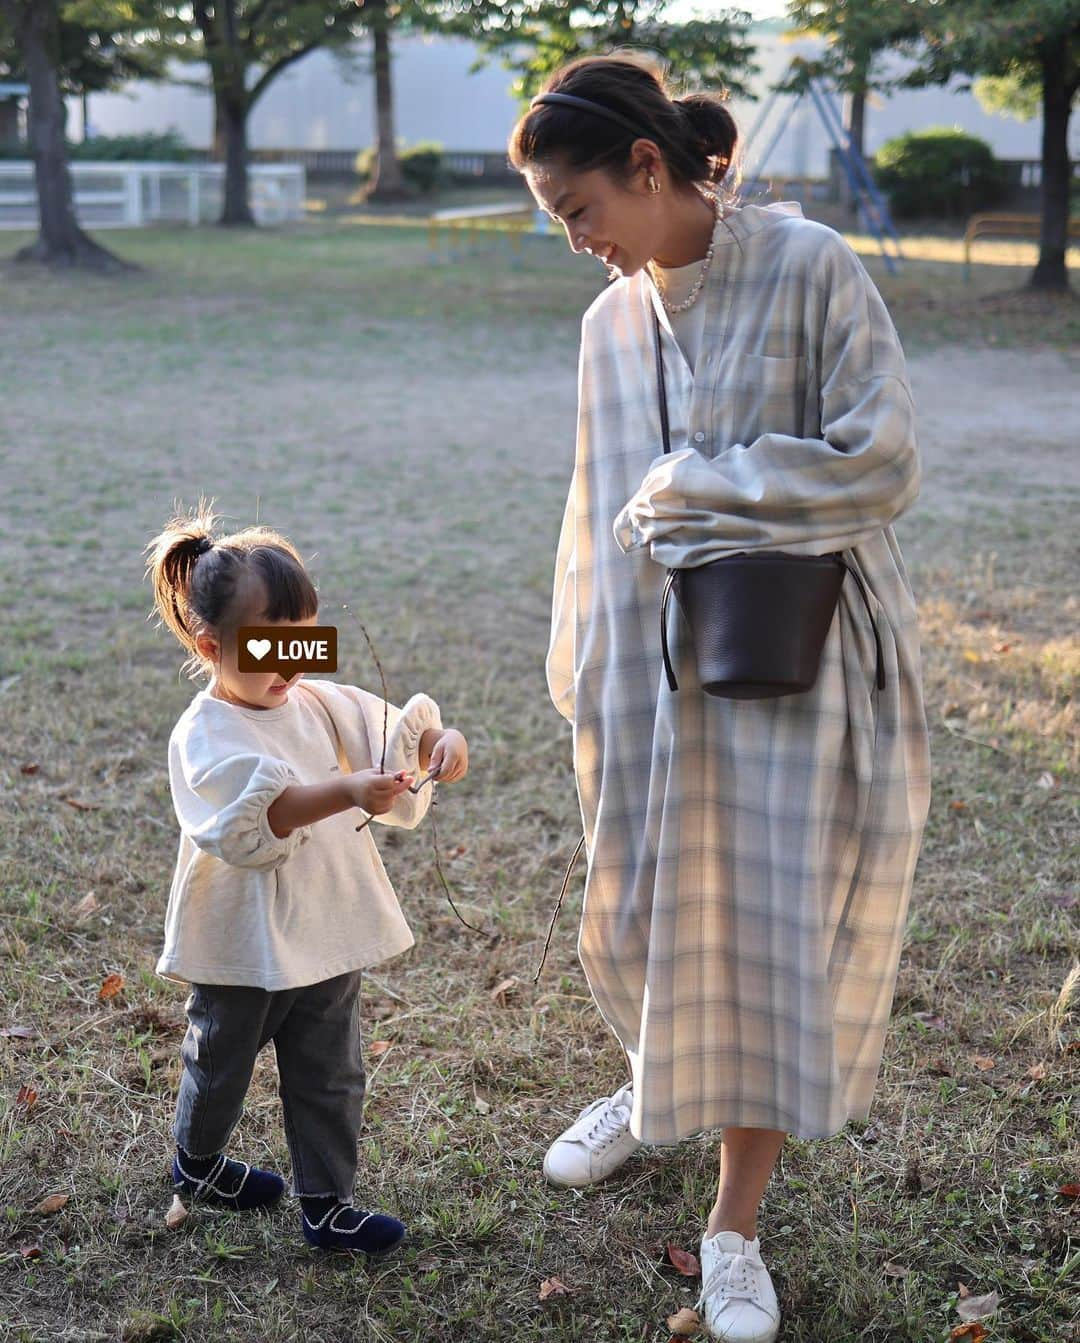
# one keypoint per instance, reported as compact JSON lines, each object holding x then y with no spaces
{"x":750,"y":862}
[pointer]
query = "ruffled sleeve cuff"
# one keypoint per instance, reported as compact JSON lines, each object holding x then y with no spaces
{"x":421,"y":714}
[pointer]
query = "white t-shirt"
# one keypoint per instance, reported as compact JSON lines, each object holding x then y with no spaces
{"x":688,"y":326}
{"x":249,"y":908}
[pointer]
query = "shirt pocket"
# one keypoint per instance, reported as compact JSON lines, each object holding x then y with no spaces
{"x":760,"y":394}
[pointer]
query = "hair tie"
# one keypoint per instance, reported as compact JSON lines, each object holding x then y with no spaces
{"x":202,"y":545}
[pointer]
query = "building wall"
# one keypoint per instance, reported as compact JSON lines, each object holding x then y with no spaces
{"x":327,"y":102}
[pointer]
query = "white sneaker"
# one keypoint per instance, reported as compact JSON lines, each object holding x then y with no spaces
{"x":596,"y":1143}
{"x":738,"y":1302}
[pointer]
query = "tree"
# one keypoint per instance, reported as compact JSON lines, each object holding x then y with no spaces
{"x":1034,"y":45}
{"x":857,"y":33}
{"x":64,"y":48}
{"x":246,"y":44}
{"x":535,"y":37}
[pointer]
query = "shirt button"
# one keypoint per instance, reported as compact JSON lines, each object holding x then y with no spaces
{"x":699,"y":437}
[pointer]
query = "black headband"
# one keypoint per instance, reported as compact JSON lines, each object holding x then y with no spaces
{"x":569,"y":100}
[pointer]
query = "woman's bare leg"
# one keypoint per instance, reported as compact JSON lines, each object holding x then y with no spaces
{"x":747,"y":1158}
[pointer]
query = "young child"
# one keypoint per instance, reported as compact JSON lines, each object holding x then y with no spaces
{"x":277,"y":903}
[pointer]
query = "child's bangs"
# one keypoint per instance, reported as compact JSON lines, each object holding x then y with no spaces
{"x":290,"y":593}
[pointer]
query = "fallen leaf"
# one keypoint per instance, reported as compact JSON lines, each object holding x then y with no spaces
{"x":378,"y":1047}
{"x":970,"y":655}
{"x":502,"y":991}
{"x":19,"y":1032}
{"x":86,"y":906}
{"x":686,"y":1322}
{"x":687,"y":1264}
{"x":27,"y":1096}
{"x":1069,"y":1190}
{"x":895,"y":1270}
{"x":31,"y":768}
{"x":53,"y":1203}
{"x":553,"y":1287}
{"x":983,"y":1062}
{"x":82,"y":806}
{"x":1037,"y":1072}
{"x":1003,"y":648}
{"x":958,"y":806}
{"x":483,"y":1107}
{"x":177,"y":1213}
{"x":1046,"y":780}
{"x":30,"y":1251}
{"x":972,"y":1333}
{"x":978,"y":1307}
{"x":110,"y":987}
{"x":930,"y":1020}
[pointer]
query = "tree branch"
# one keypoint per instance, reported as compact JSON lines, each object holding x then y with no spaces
{"x":272,"y":71}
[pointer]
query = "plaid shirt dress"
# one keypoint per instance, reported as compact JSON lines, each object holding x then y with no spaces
{"x":750,"y":862}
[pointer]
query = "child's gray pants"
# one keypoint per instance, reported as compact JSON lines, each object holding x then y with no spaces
{"x":316,"y":1035}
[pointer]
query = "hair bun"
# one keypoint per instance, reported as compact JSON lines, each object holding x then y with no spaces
{"x":713,"y":128}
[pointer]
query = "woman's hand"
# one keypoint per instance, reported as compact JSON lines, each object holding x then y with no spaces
{"x":449,"y":760}
{"x":374,"y":791}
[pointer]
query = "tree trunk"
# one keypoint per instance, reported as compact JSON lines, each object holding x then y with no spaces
{"x":1051,"y":272}
{"x":855,"y":126}
{"x":388,"y":182}
{"x":236,"y":211}
{"x":60,"y":242}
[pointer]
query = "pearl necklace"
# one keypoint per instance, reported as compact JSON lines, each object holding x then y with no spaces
{"x":673,"y":308}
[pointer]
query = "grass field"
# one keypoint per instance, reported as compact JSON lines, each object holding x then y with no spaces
{"x":410,"y":426}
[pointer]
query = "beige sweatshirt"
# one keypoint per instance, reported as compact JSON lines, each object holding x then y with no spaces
{"x":249,"y":908}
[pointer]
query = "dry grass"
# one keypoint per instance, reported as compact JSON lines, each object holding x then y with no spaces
{"x":410,"y":427}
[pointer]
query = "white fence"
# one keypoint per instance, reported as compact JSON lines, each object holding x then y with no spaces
{"x":134,"y":195}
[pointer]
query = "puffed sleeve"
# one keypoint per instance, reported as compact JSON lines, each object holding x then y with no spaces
{"x":362,"y":735}
{"x":222,"y":803}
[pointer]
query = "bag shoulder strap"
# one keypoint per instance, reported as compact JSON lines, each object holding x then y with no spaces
{"x":661,"y":387}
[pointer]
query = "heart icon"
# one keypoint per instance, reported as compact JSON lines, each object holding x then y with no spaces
{"x":258,"y":648}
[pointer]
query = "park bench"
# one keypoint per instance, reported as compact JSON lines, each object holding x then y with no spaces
{"x":475,"y":227}
{"x":1005,"y":226}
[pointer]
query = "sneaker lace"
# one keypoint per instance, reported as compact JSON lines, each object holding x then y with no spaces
{"x":611,"y":1120}
{"x":734,"y":1275}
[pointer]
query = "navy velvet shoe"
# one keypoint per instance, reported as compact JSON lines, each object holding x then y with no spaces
{"x":330,"y":1225}
{"x":221,"y":1183}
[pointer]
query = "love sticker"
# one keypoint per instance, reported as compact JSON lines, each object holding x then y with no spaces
{"x":286,"y":651}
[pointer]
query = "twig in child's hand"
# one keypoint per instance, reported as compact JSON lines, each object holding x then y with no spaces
{"x":385,"y":690}
{"x":431,"y":778}
{"x":558,"y":908}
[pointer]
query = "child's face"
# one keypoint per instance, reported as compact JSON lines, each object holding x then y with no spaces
{"x":254,"y":690}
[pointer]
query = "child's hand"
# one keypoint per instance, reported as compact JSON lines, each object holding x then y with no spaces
{"x":376,"y":792}
{"x":449,"y":757}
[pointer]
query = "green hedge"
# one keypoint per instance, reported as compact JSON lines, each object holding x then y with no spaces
{"x":939,"y":172}
{"x":422,"y":166}
{"x":167,"y":148}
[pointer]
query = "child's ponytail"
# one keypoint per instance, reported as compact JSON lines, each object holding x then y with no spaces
{"x":171,"y":559}
{"x":196,"y":578}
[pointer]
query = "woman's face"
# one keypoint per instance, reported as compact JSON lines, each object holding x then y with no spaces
{"x":620,"y":222}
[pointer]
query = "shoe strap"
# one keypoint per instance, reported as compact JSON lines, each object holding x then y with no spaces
{"x":209,"y":1181}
